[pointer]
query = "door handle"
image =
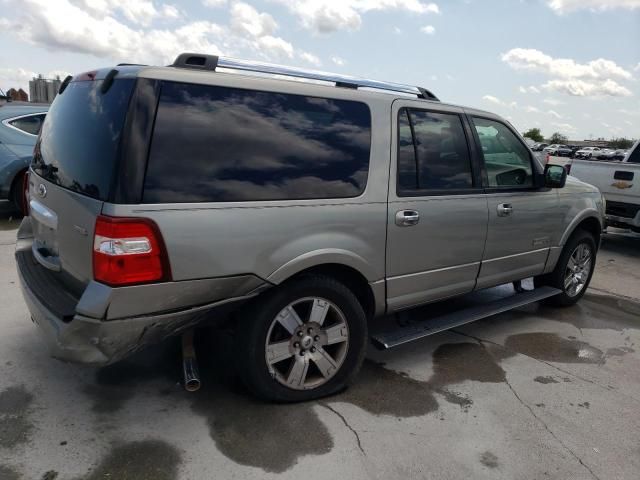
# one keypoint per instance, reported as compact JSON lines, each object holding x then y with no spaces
{"x":504,"y":209}
{"x":407,"y":218}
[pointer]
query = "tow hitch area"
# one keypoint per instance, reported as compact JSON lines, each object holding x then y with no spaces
{"x":434,"y":318}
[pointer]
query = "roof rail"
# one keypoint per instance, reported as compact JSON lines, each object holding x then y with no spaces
{"x":211,"y":62}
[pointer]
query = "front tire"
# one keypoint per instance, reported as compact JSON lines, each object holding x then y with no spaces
{"x":573,"y":271}
{"x":304,"y":340}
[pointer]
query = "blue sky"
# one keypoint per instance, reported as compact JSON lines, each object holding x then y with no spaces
{"x":561,"y":65}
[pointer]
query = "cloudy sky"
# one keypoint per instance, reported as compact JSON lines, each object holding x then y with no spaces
{"x":562,"y":65}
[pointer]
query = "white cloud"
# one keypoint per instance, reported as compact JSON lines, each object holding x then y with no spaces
{"x":530,"y":89}
{"x":497,"y":101}
{"x":565,"y":6}
{"x":553,"y":102}
{"x":637,"y":68}
{"x":536,"y":61}
{"x":428,"y":29}
{"x":565,"y":127}
{"x":582,"y":88}
{"x":248,"y":21}
{"x":65,"y":25}
{"x":214,"y":3}
{"x":139,"y":12}
{"x":324,"y":16}
{"x":19,"y":77}
{"x":338,"y":61}
{"x":633,"y":113}
{"x":554,"y":114}
{"x":531,"y":109}
{"x":310,"y":58}
{"x":170,"y":11}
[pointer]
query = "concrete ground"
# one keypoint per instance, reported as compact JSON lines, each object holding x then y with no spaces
{"x":535,"y":393}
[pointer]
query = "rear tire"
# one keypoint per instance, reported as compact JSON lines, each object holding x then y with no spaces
{"x":18,"y":197}
{"x":305,"y":339}
{"x":573,"y":271}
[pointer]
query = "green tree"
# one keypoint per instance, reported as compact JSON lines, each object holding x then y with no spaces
{"x":621,"y":143}
{"x":557,"y":137}
{"x":534,"y":134}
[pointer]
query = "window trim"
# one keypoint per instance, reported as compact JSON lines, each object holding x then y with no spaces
{"x":7,"y":122}
{"x":536,"y":173}
{"x":476,"y":187}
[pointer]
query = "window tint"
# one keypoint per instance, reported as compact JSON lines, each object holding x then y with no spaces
{"x":78,"y":146}
{"x":432,"y":152}
{"x":506,"y":159}
{"x":217,"y":144}
{"x":31,"y":124}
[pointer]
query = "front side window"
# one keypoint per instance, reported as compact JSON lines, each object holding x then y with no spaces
{"x":219,"y":144}
{"x":432,"y":152}
{"x":30,"y":124}
{"x":507,"y":160}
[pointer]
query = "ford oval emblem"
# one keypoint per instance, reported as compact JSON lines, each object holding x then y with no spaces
{"x":42,"y":190}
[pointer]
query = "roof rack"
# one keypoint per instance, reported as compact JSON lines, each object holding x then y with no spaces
{"x":211,"y":62}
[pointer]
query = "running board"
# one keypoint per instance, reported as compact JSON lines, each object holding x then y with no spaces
{"x":423,"y":328}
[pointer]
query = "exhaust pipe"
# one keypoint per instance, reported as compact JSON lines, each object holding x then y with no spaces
{"x":190,"y":363}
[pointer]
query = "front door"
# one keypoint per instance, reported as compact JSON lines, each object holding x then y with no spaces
{"x":523,"y":215}
{"x":437,"y":213}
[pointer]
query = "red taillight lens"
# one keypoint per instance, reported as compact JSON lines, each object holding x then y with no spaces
{"x":128,"y":251}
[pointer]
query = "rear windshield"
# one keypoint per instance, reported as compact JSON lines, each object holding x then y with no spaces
{"x":78,"y":145}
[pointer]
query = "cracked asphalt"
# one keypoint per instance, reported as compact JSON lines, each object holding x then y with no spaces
{"x":535,"y":393}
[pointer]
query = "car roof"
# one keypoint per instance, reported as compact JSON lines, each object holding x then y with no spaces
{"x":9,"y":110}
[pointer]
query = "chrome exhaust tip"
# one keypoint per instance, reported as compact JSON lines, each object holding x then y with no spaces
{"x":190,"y":363}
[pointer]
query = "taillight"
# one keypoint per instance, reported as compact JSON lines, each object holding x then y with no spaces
{"x":128,"y":251}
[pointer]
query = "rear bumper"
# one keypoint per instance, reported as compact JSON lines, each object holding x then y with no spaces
{"x":74,"y":335}
{"x":623,"y":214}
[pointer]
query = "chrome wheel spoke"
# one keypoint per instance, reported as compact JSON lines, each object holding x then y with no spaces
{"x":276,"y":352}
{"x":336,"y":334}
{"x":324,"y":362}
{"x":572,"y":264}
{"x":298,"y":371}
{"x":568,"y":282}
{"x":319,"y":311}
{"x":289,"y":319}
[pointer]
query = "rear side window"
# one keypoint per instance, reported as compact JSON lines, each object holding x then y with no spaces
{"x":634,"y":156}
{"x":218,"y":144}
{"x":432,"y":152}
{"x":30,"y":124}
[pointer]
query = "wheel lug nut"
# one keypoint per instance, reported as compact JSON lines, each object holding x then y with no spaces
{"x":302,"y":353}
{"x":317,"y":338}
{"x":310,"y":330}
{"x":313,"y":349}
{"x":300,"y":333}
{"x":296,"y":344}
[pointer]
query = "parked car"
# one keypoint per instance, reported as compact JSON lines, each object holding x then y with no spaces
{"x":588,"y":152}
{"x":184,"y":194}
{"x":606,"y":154}
{"x":538,"y":147}
{"x":574,"y":149}
{"x":19,"y":127}
{"x":619,"y":154}
{"x":558,"y":150}
{"x":618,"y":181}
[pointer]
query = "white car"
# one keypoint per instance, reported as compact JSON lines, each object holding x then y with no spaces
{"x":588,"y":152}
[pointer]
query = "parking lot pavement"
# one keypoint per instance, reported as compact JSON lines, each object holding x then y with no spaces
{"x":530,"y":394}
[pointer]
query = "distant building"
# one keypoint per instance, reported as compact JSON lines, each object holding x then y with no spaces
{"x":589,"y":143}
{"x":17,"y":95}
{"x":43,"y":90}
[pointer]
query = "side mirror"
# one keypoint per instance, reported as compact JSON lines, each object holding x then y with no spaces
{"x":555,"y":176}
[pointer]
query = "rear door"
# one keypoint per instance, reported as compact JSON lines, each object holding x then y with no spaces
{"x":72,"y":174}
{"x":437,"y":216}
{"x":523,"y":216}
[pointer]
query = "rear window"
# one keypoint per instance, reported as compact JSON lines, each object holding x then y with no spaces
{"x":218,"y":144}
{"x":29,"y":124}
{"x":78,"y":145}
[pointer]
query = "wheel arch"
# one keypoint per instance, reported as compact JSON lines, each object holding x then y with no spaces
{"x":349,"y":269}
{"x":589,"y":221}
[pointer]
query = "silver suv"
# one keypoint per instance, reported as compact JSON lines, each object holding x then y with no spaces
{"x":293,"y":209}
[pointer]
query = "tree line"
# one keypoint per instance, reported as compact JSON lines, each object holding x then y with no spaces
{"x":536,"y":135}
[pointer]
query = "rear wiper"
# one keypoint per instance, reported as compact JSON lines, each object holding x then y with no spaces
{"x":108,"y":81}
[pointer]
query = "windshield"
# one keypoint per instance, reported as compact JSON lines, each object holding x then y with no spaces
{"x":78,"y":145}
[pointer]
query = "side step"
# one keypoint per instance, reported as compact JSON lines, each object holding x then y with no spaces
{"x":425,"y":327}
